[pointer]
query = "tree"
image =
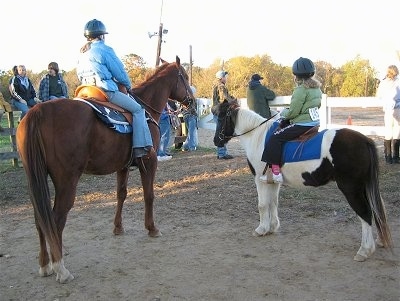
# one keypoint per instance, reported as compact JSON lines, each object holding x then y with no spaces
{"x":135,"y":67}
{"x":358,"y":78}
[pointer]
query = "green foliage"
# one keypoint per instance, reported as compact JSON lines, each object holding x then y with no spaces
{"x":355,"y":78}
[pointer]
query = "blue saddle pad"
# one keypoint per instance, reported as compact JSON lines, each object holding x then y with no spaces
{"x":112,"y":119}
{"x":294,"y":151}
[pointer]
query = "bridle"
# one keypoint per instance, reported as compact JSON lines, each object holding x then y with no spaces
{"x":187,"y":100}
{"x":228,"y":118}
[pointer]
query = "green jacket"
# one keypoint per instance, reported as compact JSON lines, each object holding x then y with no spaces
{"x":306,"y":98}
{"x":258,"y":97}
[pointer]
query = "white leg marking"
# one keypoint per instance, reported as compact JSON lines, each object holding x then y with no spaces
{"x":47,"y":270}
{"x":63,"y":275}
{"x":367,"y":247}
{"x":267,"y":208}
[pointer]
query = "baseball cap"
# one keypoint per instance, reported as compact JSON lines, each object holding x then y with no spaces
{"x":221,"y":74}
{"x":256,"y":77}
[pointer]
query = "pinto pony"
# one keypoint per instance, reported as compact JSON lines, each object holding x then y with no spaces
{"x":346,"y":156}
{"x":64,"y":139}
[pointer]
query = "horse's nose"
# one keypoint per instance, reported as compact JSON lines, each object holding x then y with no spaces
{"x":218,"y":142}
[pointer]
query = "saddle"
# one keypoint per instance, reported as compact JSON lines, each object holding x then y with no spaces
{"x":307,"y":135}
{"x":97,"y":95}
{"x":305,"y":147}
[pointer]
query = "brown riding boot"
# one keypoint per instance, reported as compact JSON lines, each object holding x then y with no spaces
{"x":387,"y":144}
{"x":396,"y":146}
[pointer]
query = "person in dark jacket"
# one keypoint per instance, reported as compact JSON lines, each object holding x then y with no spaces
{"x":52,"y":85}
{"x":22,"y":92}
{"x":258,"y":96}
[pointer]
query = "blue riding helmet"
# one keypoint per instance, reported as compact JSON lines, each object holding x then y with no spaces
{"x":94,"y":28}
{"x":303,"y":67}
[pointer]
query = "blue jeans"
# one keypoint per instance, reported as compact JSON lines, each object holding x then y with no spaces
{"x":55,"y":97}
{"x":191,"y":141}
{"x":221,"y":151}
{"x":141,"y":136}
{"x":165,"y":133}
{"x":24,"y":107}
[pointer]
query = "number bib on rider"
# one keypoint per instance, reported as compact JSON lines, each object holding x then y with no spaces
{"x":314,"y":113}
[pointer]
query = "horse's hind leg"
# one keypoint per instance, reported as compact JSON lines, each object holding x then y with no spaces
{"x":355,"y":195}
{"x":45,"y":267}
{"x":64,"y":200}
{"x":122,"y":182}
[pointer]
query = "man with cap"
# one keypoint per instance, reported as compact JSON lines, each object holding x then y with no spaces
{"x":258,"y":96}
{"x":221,"y":94}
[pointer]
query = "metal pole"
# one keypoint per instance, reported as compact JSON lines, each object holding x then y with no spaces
{"x":190,"y":66}
{"x":160,"y":32}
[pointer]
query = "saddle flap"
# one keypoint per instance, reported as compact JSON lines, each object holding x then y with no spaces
{"x":95,"y":94}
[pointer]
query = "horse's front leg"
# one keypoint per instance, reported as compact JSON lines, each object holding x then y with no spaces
{"x":147,"y":174}
{"x":267,"y":208}
{"x":122,"y":191}
{"x":367,"y":247}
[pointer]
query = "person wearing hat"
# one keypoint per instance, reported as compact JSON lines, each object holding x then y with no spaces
{"x":301,"y":116}
{"x":258,"y":96}
{"x":99,"y":66}
{"x":52,"y":85}
{"x":221,"y":94}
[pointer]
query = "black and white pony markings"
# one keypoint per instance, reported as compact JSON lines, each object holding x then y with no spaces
{"x":347,"y":157}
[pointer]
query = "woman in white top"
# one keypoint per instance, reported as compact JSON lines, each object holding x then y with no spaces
{"x":389,"y":93}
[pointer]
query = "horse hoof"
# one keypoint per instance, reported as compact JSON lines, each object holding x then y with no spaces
{"x":155,"y":233}
{"x":118,"y":231}
{"x":66,"y":279}
{"x":256,"y":234}
{"x":360,"y":258}
{"x":46,"y":270}
{"x":379,"y":243}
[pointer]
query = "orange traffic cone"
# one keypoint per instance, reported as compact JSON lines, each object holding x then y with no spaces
{"x":349,"y":121}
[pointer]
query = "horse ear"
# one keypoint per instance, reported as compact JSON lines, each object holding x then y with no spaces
{"x":162,"y":61}
{"x":178,"y":61}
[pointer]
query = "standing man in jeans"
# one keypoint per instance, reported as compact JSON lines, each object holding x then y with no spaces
{"x":221,"y":94}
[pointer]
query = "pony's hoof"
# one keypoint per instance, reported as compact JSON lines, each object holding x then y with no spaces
{"x":360,"y":258}
{"x":256,"y":234}
{"x":379,"y":243}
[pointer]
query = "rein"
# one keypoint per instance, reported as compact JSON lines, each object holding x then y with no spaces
{"x":238,"y":135}
{"x":186,"y":101}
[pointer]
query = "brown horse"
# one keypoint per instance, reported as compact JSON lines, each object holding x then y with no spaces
{"x":64,"y":139}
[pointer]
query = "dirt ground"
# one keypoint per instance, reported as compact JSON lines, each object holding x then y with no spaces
{"x":206,"y":209}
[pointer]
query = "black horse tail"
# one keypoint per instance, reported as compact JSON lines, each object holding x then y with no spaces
{"x":34,"y":159}
{"x":375,"y":199}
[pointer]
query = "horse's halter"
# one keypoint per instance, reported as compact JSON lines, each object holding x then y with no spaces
{"x":222,"y":136}
{"x":187,"y":100}
{"x":228,"y":118}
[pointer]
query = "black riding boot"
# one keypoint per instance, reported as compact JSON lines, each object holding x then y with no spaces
{"x":396,"y":146}
{"x":388,"y":151}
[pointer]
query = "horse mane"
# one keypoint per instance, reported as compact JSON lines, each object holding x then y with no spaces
{"x":153,"y":75}
{"x":247,"y":120}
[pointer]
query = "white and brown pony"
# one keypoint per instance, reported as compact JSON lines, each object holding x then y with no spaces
{"x":345,"y":156}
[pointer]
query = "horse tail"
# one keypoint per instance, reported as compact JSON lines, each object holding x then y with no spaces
{"x":37,"y":174}
{"x":375,"y":199}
